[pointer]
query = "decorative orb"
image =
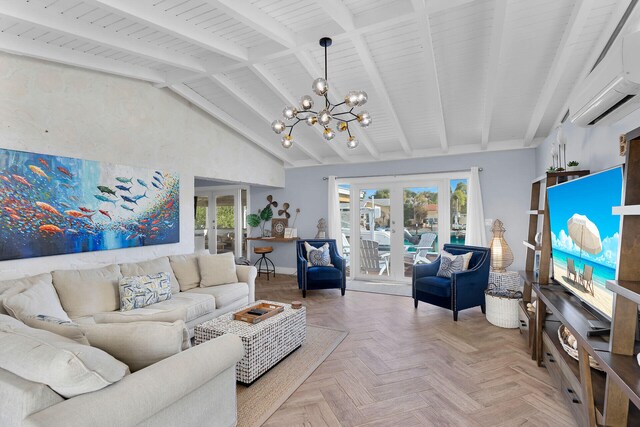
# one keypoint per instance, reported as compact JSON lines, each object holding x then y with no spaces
{"x":351,"y":99}
{"x":320,"y":86}
{"x":287,"y":141}
{"x":364,"y":118}
{"x":306,"y":102}
{"x":352,"y":143}
{"x":324,"y":117}
{"x":328,"y":134}
{"x":362,"y":98}
{"x":342,"y":126}
{"x":311,"y":120}
{"x":289,"y":112}
{"x":278,"y":126}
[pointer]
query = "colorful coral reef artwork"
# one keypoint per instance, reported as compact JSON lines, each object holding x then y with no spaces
{"x":52,"y":205}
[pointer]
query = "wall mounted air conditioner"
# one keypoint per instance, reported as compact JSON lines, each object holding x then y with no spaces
{"x":612,"y":90}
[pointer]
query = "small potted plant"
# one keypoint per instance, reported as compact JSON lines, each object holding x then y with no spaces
{"x":552,"y":169}
{"x":572,"y":166}
{"x":260,"y":219}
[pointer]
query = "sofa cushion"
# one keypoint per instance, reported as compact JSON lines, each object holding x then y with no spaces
{"x":194,"y":306}
{"x":139,"y":344}
{"x":185,"y":267}
{"x":141,"y":291}
{"x":15,"y":286}
{"x":39,"y":299}
{"x":63,"y":328}
{"x":153,"y":266}
{"x":147,"y":314}
{"x":217,"y":269}
{"x":85,"y":292}
{"x":225,"y":294}
{"x":324,"y":273}
{"x":66,"y":366}
{"x":434,"y":285}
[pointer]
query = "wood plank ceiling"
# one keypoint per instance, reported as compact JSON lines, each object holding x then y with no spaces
{"x":443,"y":76}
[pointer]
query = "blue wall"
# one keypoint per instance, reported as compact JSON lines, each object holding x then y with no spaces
{"x":505,"y":180}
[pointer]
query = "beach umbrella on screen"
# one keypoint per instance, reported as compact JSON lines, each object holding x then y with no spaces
{"x":584,"y":234}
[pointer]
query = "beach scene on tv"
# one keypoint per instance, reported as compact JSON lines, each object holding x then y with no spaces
{"x":585,"y":235}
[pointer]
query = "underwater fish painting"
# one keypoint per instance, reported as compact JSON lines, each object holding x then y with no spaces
{"x":38,"y":217}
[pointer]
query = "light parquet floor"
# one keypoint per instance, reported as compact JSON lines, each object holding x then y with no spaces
{"x":405,"y":367}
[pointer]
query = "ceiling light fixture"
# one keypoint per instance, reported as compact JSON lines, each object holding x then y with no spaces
{"x":324,"y":117}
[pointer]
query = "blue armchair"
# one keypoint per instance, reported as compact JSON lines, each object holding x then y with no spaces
{"x":464,"y":290}
{"x":312,"y":277}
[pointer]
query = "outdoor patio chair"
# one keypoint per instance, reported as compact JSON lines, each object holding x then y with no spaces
{"x":586,"y":278}
{"x":571,"y":270}
{"x":371,"y":261}
{"x":424,"y":247}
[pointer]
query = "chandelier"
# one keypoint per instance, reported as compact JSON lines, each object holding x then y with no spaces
{"x":329,"y":114}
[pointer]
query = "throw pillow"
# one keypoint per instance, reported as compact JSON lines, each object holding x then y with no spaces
{"x":217,"y":269}
{"x":185,"y":267}
{"x":153,"y":266}
{"x":15,"y":286}
{"x":139,"y":344}
{"x":63,"y":328}
{"x":466,"y":257}
{"x":140,"y":291}
{"x":318,"y":257}
{"x":448,"y":266}
{"x":66,"y":366}
{"x":86,"y":292}
{"x":40,"y":298}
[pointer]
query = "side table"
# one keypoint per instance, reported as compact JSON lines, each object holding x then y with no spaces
{"x":507,"y":280}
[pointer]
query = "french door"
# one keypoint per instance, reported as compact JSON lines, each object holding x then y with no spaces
{"x":396,"y":222}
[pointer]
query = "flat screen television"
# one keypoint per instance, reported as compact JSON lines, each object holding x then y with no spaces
{"x":585,"y":235}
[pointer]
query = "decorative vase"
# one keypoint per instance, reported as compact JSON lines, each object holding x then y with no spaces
{"x":501,"y":255}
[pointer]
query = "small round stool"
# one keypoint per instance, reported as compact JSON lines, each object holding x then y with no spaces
{"x":263,"y":262}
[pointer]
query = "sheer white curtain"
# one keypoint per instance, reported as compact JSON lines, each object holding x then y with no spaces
{"x":476,"y":231}
{"x":334,"y":226}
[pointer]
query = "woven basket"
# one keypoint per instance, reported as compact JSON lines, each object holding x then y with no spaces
{"x":502,"y":309}
{"x":563,"y":334}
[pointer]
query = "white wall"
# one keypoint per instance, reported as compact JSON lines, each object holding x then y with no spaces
{"x":54,"y":109}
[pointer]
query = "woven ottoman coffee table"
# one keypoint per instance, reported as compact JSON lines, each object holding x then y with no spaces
{"x":265,"y":343}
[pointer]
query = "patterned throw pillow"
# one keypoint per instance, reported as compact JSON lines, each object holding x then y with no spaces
{"x":60,"y":327}
{"x":448,"y":266}
{"x":140,"y":291}
{"x":318,"y":257}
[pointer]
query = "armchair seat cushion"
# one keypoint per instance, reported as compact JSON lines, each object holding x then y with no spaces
{"x":323,"y":273}
{"x":434,"y":285}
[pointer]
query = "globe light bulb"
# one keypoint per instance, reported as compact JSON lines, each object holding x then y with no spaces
{"x":311,"y":120}
{"x":328,"y":134}
{"x":342,"y":126}
{"x":320,"y":86}
{"x":289,"y":112}
{"x":306,"y":102}
{"x":287,"y":141}
{"x":352,"y":143}
{"x":351,"y":99}
{"x":278,"y":126}
{"x":362,"y":98}
{"x":364,"y":118}
{"x":324,"y":117}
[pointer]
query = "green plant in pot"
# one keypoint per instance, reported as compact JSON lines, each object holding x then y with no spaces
{"x":573,"y":165}
{"x":260,"y":219}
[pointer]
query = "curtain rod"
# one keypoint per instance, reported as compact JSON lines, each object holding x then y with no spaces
{"x":324,"y":178}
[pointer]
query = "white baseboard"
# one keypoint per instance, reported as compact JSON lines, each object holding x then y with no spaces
{"x":286,"y":270}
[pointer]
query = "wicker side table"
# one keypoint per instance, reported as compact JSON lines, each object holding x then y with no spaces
{"x":265,"y":343}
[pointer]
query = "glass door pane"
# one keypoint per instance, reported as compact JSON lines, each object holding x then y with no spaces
{"x":375,"y":232}
{"x":458,"y":210}
{"x":420,"y":205}
{"x":200,"y":233}
{"x":344,"y":198}
{"x":225,"y":224}
{"x":243,"y":225}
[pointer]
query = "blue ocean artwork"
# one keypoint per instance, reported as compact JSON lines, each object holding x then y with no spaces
{"x":54,"y":205}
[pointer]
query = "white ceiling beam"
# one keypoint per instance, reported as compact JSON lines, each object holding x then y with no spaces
{"x":287,"y":97}
{"x":254,"y":18}
{"x":432,"y":72}
{"x":154,"y":17}
{"x":337,"y":10}
{"x":28,"y":47}
{"x":32,"y":13}
{"x":314,"y":71}
{"x":597,"y":49}
{"x":495,"y":58}
{"x":578,"y":18}
{"x":247,"y":100}
{"x":234,"y":124}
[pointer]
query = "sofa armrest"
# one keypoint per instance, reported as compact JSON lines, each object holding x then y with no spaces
{"x":248,"y":273}
{"x":142,"y":394}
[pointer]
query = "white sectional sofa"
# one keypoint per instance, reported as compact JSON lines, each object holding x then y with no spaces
{"x":193,"y":387}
